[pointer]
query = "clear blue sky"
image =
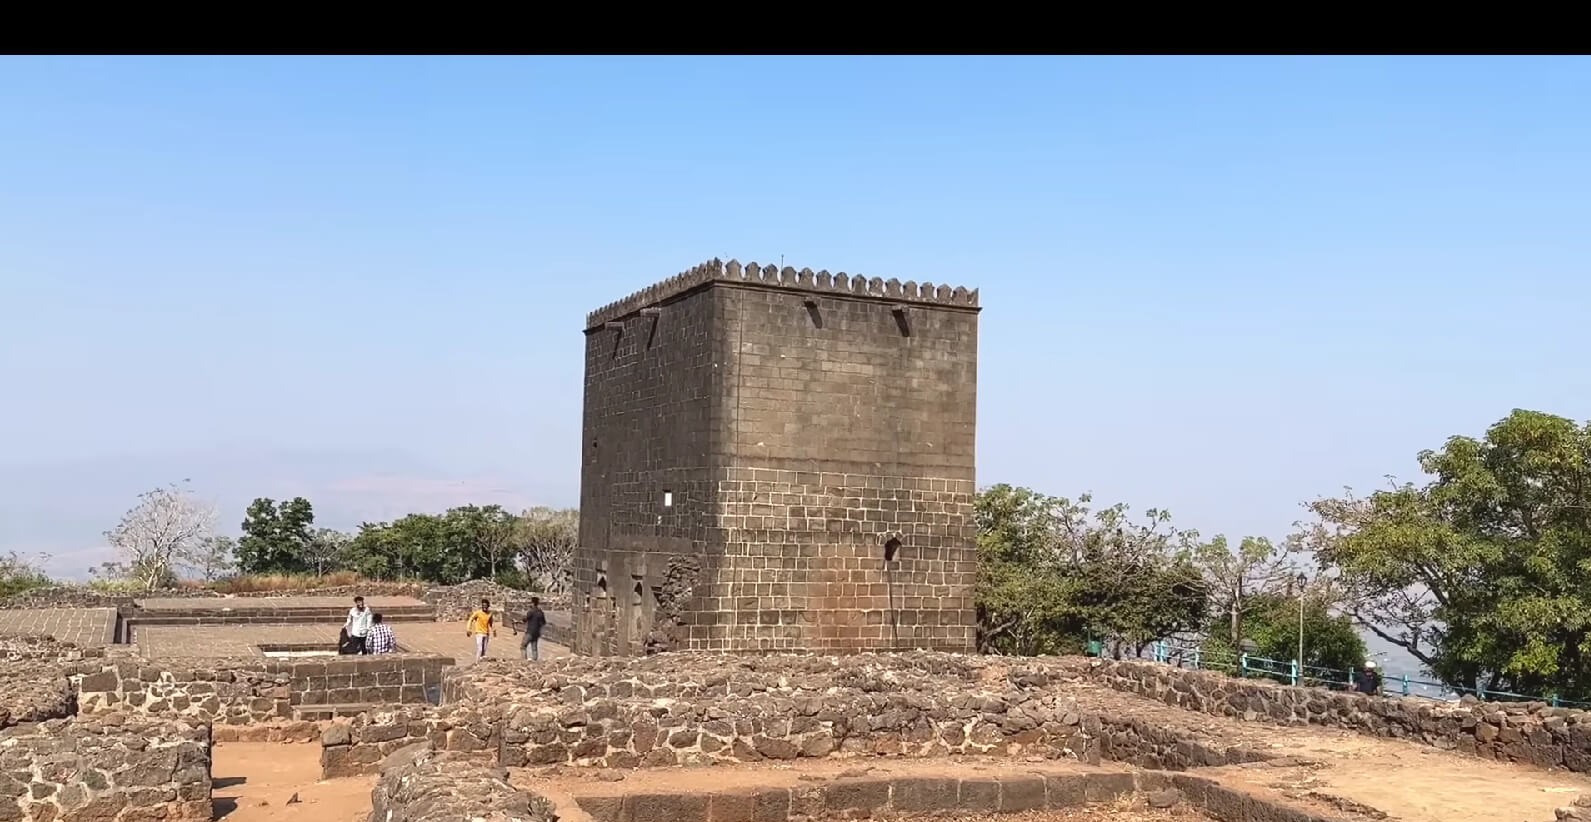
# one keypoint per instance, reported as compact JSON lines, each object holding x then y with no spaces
{"x":1220,"y":286}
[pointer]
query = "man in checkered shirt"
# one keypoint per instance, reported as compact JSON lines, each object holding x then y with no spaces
{"x":380,"y":639}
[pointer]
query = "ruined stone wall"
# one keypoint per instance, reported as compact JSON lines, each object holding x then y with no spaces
{"x":691,"y":708}
{"x":120,"y":768}
{"x":35,"y":678}
{"x":778,"y":461}
{"x":421,"y":785}
{"x":1530,"y":732}
{"x":246,"y":692}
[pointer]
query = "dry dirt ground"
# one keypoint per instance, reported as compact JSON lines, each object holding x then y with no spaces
{"x":254,"y":782}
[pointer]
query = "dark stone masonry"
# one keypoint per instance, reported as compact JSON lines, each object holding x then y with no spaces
{"x":110,"y":768}
{"x":698,"y":709}
{"x":778,"y":460}
{"x":254,"y":691}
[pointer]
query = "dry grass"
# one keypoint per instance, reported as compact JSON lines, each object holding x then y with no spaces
{"x":255,"y":583}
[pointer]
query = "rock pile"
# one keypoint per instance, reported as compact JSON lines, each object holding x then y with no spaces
{"x":34,"y":679}
{"x":421,"y":785}
{"x":455,"y":602}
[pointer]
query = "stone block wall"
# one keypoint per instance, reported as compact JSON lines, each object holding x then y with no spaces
{"x":245,"y":692}
{"x":116,"y":767}
{"x":1529,"y":732}
{"x":357,"y":746}
{"x":778,"y":460}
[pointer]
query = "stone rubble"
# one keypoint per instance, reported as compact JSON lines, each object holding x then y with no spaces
{"x":114,"y":767}
{"x":418,"y":784}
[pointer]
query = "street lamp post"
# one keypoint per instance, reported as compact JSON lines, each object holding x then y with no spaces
{"x":1302,"y":580}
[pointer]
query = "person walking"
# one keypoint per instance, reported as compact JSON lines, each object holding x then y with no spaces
{"x":535,"y":621}
{"x":481,"y":627}
{"x":358,"y":624}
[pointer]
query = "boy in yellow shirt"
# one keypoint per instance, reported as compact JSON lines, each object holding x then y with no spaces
{"x":480,"y":626}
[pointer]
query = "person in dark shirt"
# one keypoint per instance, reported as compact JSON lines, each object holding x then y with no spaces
{"x":1369,"y":679}
{"x":535,"y":621}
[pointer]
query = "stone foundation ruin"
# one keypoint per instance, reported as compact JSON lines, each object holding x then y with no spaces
{"x":93,"y":735}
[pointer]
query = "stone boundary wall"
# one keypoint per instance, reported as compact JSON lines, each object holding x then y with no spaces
{"x":450,"y":601}
{"x":421,"y":785}
{"x":1527,"y":732}
{"x":686,"y":709}
{"x":121,"y":768}
{"x":242,"y":692}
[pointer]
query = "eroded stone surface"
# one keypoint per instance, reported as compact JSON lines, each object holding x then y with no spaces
{"x":115,"y":767}
{"x":421,"y":785}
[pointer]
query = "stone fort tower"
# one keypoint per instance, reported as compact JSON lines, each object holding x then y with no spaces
{"x":778,"y":460}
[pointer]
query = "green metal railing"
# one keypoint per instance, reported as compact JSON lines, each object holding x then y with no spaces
{"x":1290,"y":672}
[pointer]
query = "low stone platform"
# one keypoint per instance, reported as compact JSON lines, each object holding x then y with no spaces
{"x":241,"y":641}
{"x":283,"y":603}
{"x":84,"y":627}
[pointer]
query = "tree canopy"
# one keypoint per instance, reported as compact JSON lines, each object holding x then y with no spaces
{"x":1054,"y":572}
{"x":1483,"y":573}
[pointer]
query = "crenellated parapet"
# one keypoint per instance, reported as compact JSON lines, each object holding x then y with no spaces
{"x":804,"y":280}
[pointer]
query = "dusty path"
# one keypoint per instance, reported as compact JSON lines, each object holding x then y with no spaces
{"x":1406,"y":780}
{"x":253,"y":782}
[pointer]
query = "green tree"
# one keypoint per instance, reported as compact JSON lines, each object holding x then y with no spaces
{"x":1053,"y":571}
{"x":18,"y":574}
{"x":483,"y":536}
{"x":418,"y":546}
{"x":1484,"y":572}
{"x":545,"y":539}
{"x":326,"y":551}
{"x":1271,"y":623}
{"x":276,"y":538}
{"x":1235,"y":578}
{"x":215,"y":558}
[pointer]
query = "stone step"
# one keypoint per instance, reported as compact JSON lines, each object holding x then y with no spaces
{"x":314,"y":713}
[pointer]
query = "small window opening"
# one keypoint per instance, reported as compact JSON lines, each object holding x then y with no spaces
{"x":890,"y":549}
{"x":668,"y":499}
